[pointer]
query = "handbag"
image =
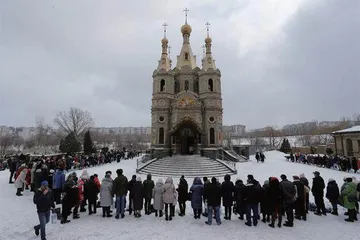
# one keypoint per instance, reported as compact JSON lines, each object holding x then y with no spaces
{"x":54,"y":217}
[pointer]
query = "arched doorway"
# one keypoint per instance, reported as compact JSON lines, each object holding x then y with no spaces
{"x":185,"y":138}
{"x":349,"y":147}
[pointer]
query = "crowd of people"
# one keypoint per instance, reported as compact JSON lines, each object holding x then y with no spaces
{"x":275,"y":197}
{"x":344,"y":164}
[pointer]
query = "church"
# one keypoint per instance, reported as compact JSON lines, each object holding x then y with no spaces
{"x":186,"y":110}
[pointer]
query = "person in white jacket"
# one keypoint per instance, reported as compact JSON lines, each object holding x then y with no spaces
{"x":20,"y":182}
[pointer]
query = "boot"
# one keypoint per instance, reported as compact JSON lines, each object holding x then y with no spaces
{"x":104,"y":211}
{"x":160,"y":213}
{"x":76,"y":216}
{"x":166,"y":217}
{"x":226,"y":214}
{"x":156,"y":213}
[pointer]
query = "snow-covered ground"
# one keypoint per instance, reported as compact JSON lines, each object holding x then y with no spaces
{"x":18,"y":214}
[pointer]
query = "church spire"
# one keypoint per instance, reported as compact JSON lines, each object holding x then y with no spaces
{"x":164,"y":62}
{"x":208,"y":60}
{"x":186,"y":57}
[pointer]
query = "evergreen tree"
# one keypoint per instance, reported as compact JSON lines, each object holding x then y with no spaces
{"x":70,"y":144}
{"x":312,"y":150}
{"x":285,"y":146}
{"x":329,"y":151}
{"x":89,"y":147}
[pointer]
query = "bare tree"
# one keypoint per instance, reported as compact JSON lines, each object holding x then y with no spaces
{"x":356,"y":118}
{"x":273,"y":136}
{"x":75,"y":120}
{"x":6,"y":141}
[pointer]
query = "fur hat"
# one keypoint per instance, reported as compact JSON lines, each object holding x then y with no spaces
{"x":296,"y":177}
{"x":138,"y":179}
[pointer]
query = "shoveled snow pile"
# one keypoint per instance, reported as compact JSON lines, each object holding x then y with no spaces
{"x":18,"y":214}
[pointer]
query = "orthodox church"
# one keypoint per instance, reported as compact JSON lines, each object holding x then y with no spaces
{"x":186,"y":111}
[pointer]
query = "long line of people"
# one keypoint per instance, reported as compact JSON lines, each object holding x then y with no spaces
{"x":275,"y":197}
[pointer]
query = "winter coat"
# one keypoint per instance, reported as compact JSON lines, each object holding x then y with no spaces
{"x":40,"y":176}
{"x":120,"y":185}
{"x":148,"y":187}
{"x":348,"y":195}
{"x":252,"y":194}
{"x":183,"y":190}
{"x":59,"y":179}
{"x":275,"y":196}
{"x":300,"y":191}
{"x":71,"y":194}
{"x":169,"y":191}
{"x":21,"y":179}
{"x":81,"y":187}
{"x":264,"y":202}
{"x":44,"y":202}
{"x":214,"y":192}
{"x":197,"y":191}
{"x":239,"y":192}
{"x":32,"y":178}
{"x":130,"y":186}
{"x":227,"y":189}
{"x":332,"y":191}
{"x":97,"y":183}
{"x":158,"y":196}
{"x":288,"y":190}
{"x":138,"y":195}
{"x":91,"y":191}
{"x":106,"y":197}
{"x":318,"y":186}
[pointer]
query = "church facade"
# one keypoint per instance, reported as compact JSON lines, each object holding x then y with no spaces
{"x":186,"y":111}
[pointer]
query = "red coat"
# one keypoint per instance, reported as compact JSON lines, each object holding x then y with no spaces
{"x":28,"y":175}
{"x":18,"y":172}
{"x":81,"y":189}
{"x":97,"y":182}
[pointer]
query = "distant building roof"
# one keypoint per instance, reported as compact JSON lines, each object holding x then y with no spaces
{"x":353,"y":129}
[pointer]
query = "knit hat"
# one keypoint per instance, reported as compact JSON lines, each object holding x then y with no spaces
{"x":283,"y":176}
{"x":331,"y":180}
{"x":296,"y":177}
{"x":44,"y":183}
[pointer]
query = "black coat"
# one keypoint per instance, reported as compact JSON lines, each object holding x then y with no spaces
{"x":214,"y":194}
{"x":91,"y":191}
{"x":206,"y":193}
{"x":252,"y":193}
{"x":227,"y":189}
{"x":130,"y":186}
{"x":332,"y":191}
{"x":138,"y":195}
{"x":300,"y":187}
{"x":275,"y":196}
{"x":318,"y":186}
{"x":71,"y":194}
{"x":264,"y":203}
{"x":183,"y":190}
{"x":148,"y":188}
{"x":44,"y":202}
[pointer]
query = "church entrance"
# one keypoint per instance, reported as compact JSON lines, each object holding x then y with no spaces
{"x":186,"y":140}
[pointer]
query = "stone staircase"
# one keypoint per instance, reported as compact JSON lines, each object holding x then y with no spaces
{"x":188,"y":165}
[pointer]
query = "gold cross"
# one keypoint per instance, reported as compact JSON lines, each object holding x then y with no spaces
{"x":186,"y":10}
{"x":165,"y":25}
{"x":207,"y":27}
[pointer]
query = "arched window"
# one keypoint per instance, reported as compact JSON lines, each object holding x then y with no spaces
{"x":212,"y":135}
{"x":211,"y":85}
{"x":186,"y":56}
{"x":161,"y":135}
{"x":186,"y":85}
{"x":162,"y":85}
{"x":196,"y":86}
{"x":176,"y":86}
{"x":349,"y":147}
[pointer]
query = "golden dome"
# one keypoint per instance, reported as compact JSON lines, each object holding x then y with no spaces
{"x":164,"y":41}
{"x":208,"y":40}
{"x":186,"y":29}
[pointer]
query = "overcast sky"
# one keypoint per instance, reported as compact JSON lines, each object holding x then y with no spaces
{"x":281,"y":61}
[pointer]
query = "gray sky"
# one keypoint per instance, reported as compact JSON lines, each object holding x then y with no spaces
{"x":281,"y":61}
